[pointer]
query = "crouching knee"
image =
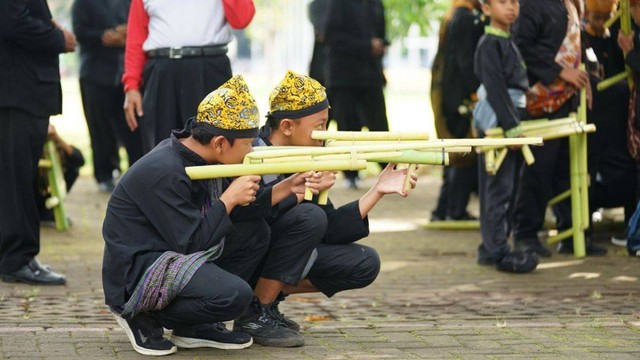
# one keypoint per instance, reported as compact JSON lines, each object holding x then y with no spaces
{"x":368,"y":269}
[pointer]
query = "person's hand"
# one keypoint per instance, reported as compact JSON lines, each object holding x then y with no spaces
{"x":377,"y":47}
{"x":391,"y":180}
{"x":575,"y":77}
{"x":321,"y":180}
{"x":69,"y":38}
{"x":241,"y":191}
{"x":625,"y":42}
{"x":132,"y":108}
{"x":114,"y":38}
{"x":298,"y":182}
{"x":52,"y":133}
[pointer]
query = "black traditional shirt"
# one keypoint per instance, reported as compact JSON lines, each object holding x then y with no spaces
{"x":345,"y":224}
{"x":499,"y":66}
{"x":156,"y":207}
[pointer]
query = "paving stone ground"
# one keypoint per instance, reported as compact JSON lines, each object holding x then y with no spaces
{"x":431,"y":300}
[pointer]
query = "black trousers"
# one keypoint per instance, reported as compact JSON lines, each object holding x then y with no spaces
{"x":458,"y":182}
{"x":294,"y":235}
{"x":172,"y":91}
{"x":546,"y":177}
{"x":340,"y":267}
{"x":355,"y":107}
{"x":497,"y":198}
{"x":219,"y":290}
{"x":108,"y":128}
{"x":21,"y":141}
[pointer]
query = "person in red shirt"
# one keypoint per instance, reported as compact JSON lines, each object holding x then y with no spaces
{"x":174,"y":58}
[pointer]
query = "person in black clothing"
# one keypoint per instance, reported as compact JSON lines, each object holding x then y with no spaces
{"x":101,"y":30}
{"x":317,"y":16}
{"x":458,"y":87}
{"x":71,"y":160}
{"x":298,"y":105}
{"x":611,"y":167}
{"x":178,"y":253}
{"x":355,"y":35}
{"x":500,"y":69}
{"x":548,"y":36}
{"x":30,"y":42}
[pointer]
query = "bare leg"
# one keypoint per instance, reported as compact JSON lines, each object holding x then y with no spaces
{"x":304,"y":286}
{"x":268,"y":289}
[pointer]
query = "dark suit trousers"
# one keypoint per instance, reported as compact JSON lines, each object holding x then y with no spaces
{"x":173,"y":89}
{"x":108,"y":128}
{"x":548,"y":176}
{"x":21,"y":142}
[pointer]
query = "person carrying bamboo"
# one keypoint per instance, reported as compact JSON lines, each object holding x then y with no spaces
{"x":178,"y":253}
{"x":299,"y":105}
{"x":501,"y":101}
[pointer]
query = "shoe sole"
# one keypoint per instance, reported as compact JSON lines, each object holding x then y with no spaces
{"x":192,"y":343}
{"x":123,"y":324}
{"x":619,"y":242}
{"x":14,"y":279}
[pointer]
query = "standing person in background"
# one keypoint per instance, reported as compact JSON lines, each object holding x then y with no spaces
{"x":548,"y":36}
{"x":317,"y":16}
{"x":173,"y":59}
{"x":30,"y":92}
{"x":101,"y":28}
{"x":457,"y":85}
{"x":355,"y":34}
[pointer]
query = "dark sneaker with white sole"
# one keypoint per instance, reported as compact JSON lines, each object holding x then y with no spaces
{"x":146,"y":337}
{"x":265,"y":328}
{"x":214,"y":335}
{"x":284,"y":321}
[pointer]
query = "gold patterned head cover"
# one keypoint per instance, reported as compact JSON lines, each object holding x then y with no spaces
{"x":601,"y":6}
{"x":297,"y":96}
{"x":230,"y":111}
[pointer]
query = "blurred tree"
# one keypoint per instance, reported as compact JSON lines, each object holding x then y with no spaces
{"x":401,"y":14}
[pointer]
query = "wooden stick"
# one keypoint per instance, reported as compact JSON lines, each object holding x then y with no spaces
{"x":234,"y":170}
{"x":407,"y":180}
{"x":527,"y":155}
{"x":368,"y":135}
{"x":340,"y":143}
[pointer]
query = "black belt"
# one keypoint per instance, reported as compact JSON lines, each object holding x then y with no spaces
{"x":191,"y":51}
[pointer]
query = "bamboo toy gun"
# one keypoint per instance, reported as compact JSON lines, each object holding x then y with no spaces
{"x":624,"y":14}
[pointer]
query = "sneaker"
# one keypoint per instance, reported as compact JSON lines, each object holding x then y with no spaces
{"x":518,"y":262}
{"x":486,"y":258}
{"x":214,"y":335}
{"x":265,"y":328}
{"x":146,"y":338}
{"x":464,"y":217}
{"x":106,"y":186}
{"x":619,"y":240}
{"x":284,"y":321}
{"x":532,"y":246}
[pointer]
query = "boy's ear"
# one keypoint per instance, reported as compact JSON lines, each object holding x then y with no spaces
{"x":218,"y":143}
{"x":285,"y":126}
{"x":486,"y":8}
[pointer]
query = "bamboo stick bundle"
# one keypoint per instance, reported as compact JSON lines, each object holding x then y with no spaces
{"x":368,"y":135}
{"x":234,"y":170}
{"x":341,"y":156}
{"x":529,"y":126}
{"x":340,"y":143}
{"x":624,"y":13}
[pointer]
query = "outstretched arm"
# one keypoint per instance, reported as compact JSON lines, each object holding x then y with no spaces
{"x":390,"y":181}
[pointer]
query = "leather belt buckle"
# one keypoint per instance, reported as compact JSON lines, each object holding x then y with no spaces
{"x":175,"y":53}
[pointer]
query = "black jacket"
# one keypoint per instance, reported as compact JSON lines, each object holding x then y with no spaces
{"x":98,"y":63}
{"x":539,"y":32}
{"x":350,"y":26}
{"x":29,"y":49}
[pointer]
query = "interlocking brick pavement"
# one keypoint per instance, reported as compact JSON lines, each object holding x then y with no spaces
{"x":431,"y":301}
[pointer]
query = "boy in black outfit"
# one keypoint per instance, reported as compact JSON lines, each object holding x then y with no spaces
{"x":501,"y":71}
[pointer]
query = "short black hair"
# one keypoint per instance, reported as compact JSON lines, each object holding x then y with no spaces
{"x":204,"y":137}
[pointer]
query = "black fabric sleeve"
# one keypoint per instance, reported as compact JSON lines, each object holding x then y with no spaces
{"x":540,"y":62}
{"x":260,"y":208}
{"x":345,"y":224}
{"x":166,"y":203}
{"x":86,"y":30}
{"x":490,"y":71}
{"x":337,"y":33}
{"x":17,"y":25}
{"x":76,"y":159}
{"x":633,"y":60}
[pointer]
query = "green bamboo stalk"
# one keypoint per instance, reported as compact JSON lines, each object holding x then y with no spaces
{"x":454,"y":225}
{"x":234,"y":170}
{"x":417,"y":157}
{"x":341,"y":143}
{"x":55,"y":177}
{"x":407,"y":180}
{"x":368,"y":135}
{"x":612,"y":19}
{"x":609,"y":82}
{"x":576,"y":203}
{"x":527,"y":154}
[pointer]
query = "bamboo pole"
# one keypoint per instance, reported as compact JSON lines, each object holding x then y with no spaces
{"x":368,"y":135}
{"x":234,"y":170}
{"x":454,"y":225}
{"x":530,"y":126}
{"x":341,"y":143}
{"x":424,"y":145}
{"x":612,"y":19}
{"x":417,"y":157}
{"x":502,"y":154}
{"x":407,"y":180}
{"x":527,"y":155}
{"x":609,"y":82}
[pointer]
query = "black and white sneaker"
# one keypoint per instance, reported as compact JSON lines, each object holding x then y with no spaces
{"x":267,"y":330}
{"x":214,"y":335}
{"x":146,"y":338}
{"x":284,"y":321}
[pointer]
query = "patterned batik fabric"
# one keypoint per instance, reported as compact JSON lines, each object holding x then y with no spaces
{"x":230,"y":107}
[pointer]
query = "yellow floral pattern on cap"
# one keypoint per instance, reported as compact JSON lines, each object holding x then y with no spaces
{"x":296,"y":92}
{"x":230,"y":107}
